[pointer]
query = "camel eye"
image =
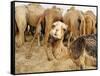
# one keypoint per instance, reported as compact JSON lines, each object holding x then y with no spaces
{"x":64,"y":29}
{"x":56,"y":29}
{"x":53,"y":26}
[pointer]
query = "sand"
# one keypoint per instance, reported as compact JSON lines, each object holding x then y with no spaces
{"x":38,"y":62}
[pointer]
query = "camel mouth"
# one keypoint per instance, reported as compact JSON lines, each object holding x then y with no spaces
{"x":52,"y":39}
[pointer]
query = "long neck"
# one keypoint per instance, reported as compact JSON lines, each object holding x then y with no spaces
{"x":59,"y":50}
{"x":57,"y":44}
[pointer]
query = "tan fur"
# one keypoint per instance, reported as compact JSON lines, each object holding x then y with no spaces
{"x":21,"y":21}
{"x":90,"y":20}
{"x":71,"y":18}
{"x":51,"y":15}
{"x":86,"y":60}
{"x":59,"y":51}
{"x":29,"y":14}
{"x":34,"y":14}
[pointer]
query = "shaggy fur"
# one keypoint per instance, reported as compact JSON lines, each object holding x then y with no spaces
{"x":75,"y":21}
{"x":90,"y":20}
{"x":83,"y":51}
{"x":59,"y":51}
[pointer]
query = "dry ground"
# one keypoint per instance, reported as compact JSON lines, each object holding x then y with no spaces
{"x":39,"y":62}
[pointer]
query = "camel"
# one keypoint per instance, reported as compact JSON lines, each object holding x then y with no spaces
{"x":56,"y":36}
{"x":50,"y":16}
{"x":83,"y":51}
{"x":90,"y":21}
{"x":28,"y":15}
{"x":76,"y":23}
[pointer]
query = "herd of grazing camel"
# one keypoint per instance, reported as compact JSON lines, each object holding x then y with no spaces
{"x":72,"y":35}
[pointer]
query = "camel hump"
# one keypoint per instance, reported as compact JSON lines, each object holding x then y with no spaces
{"x":72,"y":8}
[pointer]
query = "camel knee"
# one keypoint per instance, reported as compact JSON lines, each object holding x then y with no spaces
{"x":20,"y":39}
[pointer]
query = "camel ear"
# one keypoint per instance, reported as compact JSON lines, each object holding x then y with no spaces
{"x":65,"y":27}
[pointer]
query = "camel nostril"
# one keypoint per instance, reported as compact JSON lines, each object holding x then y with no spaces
{"x":55,"y":34}
{"x":56,"y":30}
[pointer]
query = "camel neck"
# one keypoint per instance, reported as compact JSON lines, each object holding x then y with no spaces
{"x":57,"y":44}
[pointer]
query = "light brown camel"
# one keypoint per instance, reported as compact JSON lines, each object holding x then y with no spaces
{"x":76,"y":23}
{"x":50,"y":16}
{"x":28,"y":15}
{"x":56,"y":36}
{"x":90,"y":21}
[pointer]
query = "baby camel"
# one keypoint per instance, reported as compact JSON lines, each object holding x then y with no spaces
{"x":56,"y":37}
{"x":82,"y":51}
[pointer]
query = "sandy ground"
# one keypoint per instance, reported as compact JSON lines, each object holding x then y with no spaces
{"x":39,"y":62}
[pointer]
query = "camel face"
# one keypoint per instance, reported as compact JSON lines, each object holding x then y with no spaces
{"x":57,"y":31}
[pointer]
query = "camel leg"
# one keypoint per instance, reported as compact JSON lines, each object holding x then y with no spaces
{"x":21,"y":24}
{"x":89,"y":28}
{"x":20,"y":39}
{"x":82,"y":62}
{"x":48,"y":26}
{"x":69,"y":39}
{"x":78,"y":63}
{"x":36,"y":35}
{"x":38,"y":30}
{"x":49,"y":53}
{"x":46,"y":39}
{"x":38,"y":40}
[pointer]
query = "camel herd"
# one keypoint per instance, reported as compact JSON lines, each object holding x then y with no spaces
{"x":76,"y":29}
